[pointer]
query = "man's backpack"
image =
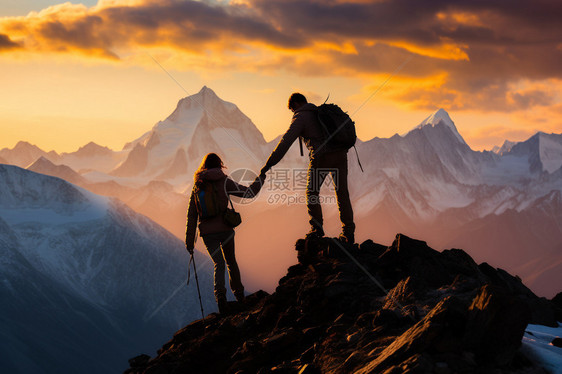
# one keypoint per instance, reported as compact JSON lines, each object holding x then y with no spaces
{"x":338,"y":129}
{"x":337,"y":126}
{"x":206,"y":200}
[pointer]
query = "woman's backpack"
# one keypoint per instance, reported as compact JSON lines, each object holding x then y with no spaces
{"x":206,"y":200}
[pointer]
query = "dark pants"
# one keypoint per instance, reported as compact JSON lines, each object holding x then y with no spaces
{"x":225,"y":241}
{"x":335,"y":164}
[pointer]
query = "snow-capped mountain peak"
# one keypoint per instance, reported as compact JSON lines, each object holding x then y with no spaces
{"x":206,"y":91}
{"x":191,"y":109}
{"x":440,"y":116}
{"x":506,"y":147}
{"x":200,"y":123}
{"x":543,"y":152}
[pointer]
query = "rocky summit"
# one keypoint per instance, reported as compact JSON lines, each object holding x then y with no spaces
{"x":367,"y":309}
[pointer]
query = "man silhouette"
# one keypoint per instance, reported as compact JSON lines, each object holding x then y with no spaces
{"x":323,"y":161}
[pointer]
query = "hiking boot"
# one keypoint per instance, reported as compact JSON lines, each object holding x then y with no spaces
{"x":223,"y":305}
{"x":348,"y":238}
{"x":240,"y":297}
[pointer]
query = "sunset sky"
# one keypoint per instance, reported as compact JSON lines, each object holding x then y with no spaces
{"x":76,"y":72}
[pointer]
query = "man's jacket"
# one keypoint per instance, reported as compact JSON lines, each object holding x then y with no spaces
{"x":305,"y":123}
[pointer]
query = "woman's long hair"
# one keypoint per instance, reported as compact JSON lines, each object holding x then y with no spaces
{"x":210,"y":161}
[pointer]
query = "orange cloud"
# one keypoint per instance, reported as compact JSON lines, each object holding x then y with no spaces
{"x":502,"y":96}
{"x":447,"y":50}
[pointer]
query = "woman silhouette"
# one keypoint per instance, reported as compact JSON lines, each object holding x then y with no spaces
{"x":218,"y":235}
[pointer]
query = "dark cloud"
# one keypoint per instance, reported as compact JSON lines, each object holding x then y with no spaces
{"x":518,"y":36}
{"x":189,"y":25}
{"x":531,"y":98}
{"x":402,"y":19}
{"x":194,"y":21}
{"x":83,"y":33}
{"x":6,"y":43}
{"x":424,"y":22}
{"x":504,"y":42}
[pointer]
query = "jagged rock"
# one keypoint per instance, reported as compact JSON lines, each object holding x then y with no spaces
{"x":309,"y":369}
{"x":368,"y":247}
{"x":282,"y":340}
{"x":334,"y":248}
{"x":542,"y":311}
{"x":434,"y":332}
{"x":308,"y":355}
{"x":557,"y":302}
{"x":332,"y":313}
{"x":406,"y":291}
{"x":307,"y":250}
{"x":408,"y":257}
{"x":139,"y":360}
{"x":497,"y":322}
{"x":386,"y":318}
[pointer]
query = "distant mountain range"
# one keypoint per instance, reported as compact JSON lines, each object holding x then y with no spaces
{"x":502,"y":207}
{"x":85,"y":281}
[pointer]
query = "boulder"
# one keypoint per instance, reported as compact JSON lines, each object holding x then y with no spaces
{"x":496,"y":324}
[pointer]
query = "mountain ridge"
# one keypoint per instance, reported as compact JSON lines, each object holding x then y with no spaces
{"x":84,"y":279}
{"x":45,"y":166}
{"x":89,"y":150}
{"x":367,"y":309}
{"x":440,"y":115}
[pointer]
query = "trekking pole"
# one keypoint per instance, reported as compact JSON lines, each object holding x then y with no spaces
{"x":197,"y":283}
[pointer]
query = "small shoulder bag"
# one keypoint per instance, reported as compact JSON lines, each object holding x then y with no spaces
{"x":230,"y":216}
